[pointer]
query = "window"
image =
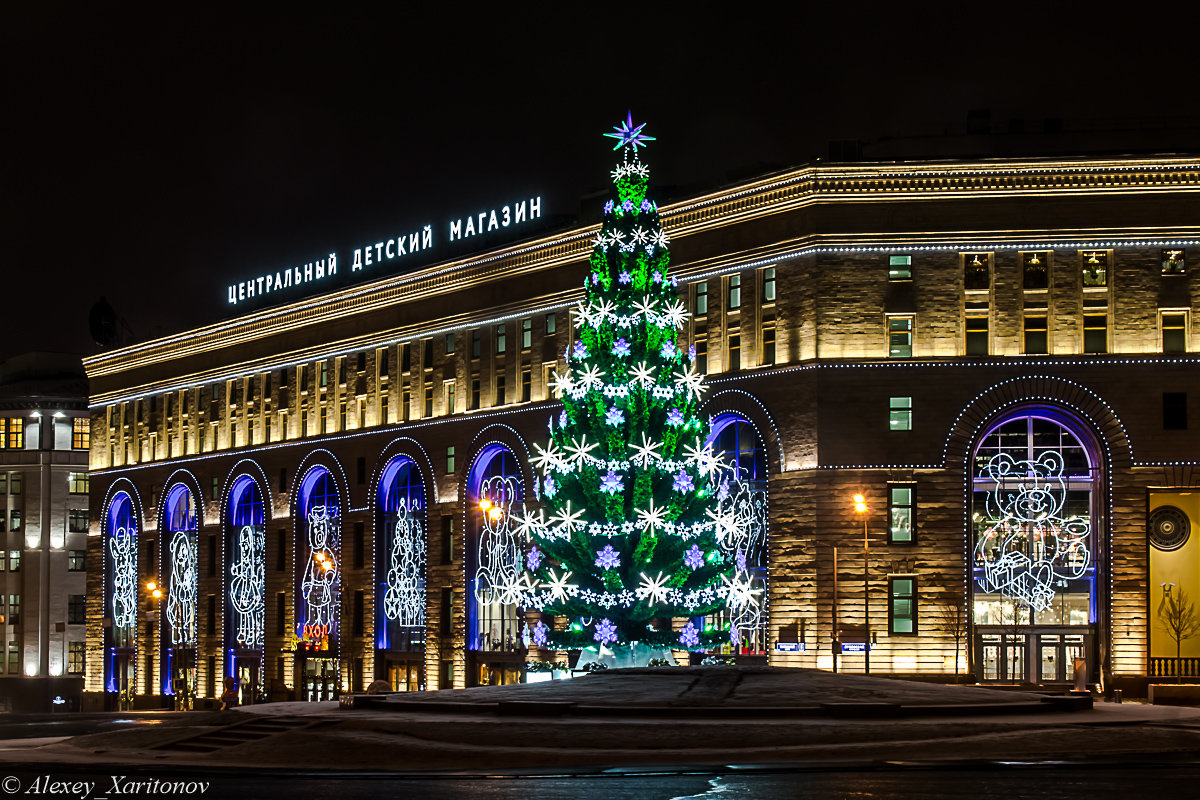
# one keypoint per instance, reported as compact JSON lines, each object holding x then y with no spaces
{"x":474,"y":344}
{"x":1035,"y":270}
{"x":902,"y":605}
{"x":210,"y":624}
{"x":735,"y":351}
{"x":405,"y":404}
{"x":551,"y":324}
{"x":900,"y":413}
{"x":449,"y":343}
{"x":901,"y":515}
{"x":977,"y":336}
{"x":1174,"y":331}
{"x":1174,"y":262}
{"x":768,"y":285}
{"x":1095,"y":333}
{"x":735,"y":291}
{"x":76,"y":560}
{"x":1174,"y":410}
{"x":427,"y":354}
{"x":405,"y":357}
{"x":81,"y":433}
{"x":75,"y":657}
{"x":446,"y":609}
{"x":341,"y":363}
{"x":450,"y":460}
{"x":14,"y":560}
{"x":899,"y":268}
{"x":701,"y":298}
{"x":214,"y":488}
{"x":14,"y":611}
{"x":768,"y":342}
{"x":14,"y":435}
{"x":526,"y":334}
{"x":499,"y":390}
{"x":447,"y":539}
{"x":900,"y":337}
{"x":384,"y":402}
{"x":324,"y":374}
{"x":15,"y":520}
{"x":341,"y":419}
{"x":77,"y":520}
{"x":977,"y":271}
{"x":359,"y":617}
{"x":1035,"y":335}
{"x":526,"y":384}
{"x":474,"y":394}
{"x":428,"y":401}
{"x":1095,"y":268}
{"x":701,"y":346}
{"x":14,"y":652}
{"x":501,"y":339}
{"x":76,"y":609}
{"x":383,"y":363}
{"x":449,"y":389}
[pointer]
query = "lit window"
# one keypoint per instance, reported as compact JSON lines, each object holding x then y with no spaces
{"x":450,"y":460}
{"x":1035,"y":336}
{"x":701,"y":346}
{"x":902,"y":605}
{"x":526,"y":334}
{"x":77,"y":482}
{"x":324,"y":374}
{"x":977,"y":271}
{"x":499,"y":390}
{"x":768,"y":342}
{"x":81,"y":433}
{"x":1174,"y":332}
{"x":75,"y":657}
{"x":768,"y":285}
{"x":449,"y":343}
{"x":902,"y":521}
{"x":474,"y":344}
{"x":14,"y":560}
{"x":76,"y":560}
{"x":77,"y":520}
{"x":14,"y":435}
{"x":1095,"y":333}
{"x":900,"y":413}
{"x":735,"y":351}
{"x":977,"y":336}
{"x":899,"y":268}
{"x":1095,"y":267}
{"x":450,"y":409}
{"x":735,"y":291}
{"x":501,"y":339}
{"x":526,"y":384}
{"x":900,"y":337}
{"x":702,"y":298}
{"x":1035,"y":273}
{"x":1174,"y":262}
{"x":551,"y":324}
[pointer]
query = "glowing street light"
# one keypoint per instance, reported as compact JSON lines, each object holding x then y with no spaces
{"x":860,"y":508}
{"x":153,"y":589}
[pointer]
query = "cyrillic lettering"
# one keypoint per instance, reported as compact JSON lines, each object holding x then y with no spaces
{"x":379,"y":251}
{"x":414,"y":242}
{"x":357,"y":265}
{"x":521,"y":211}
{"x":427,"y":237}
{"x":456,"y":229}
{"x":535,"y":207}
{"x":504,"y":218}
{"x":308,"y":272}
{"x":232,"y":294}
{"x":321,"y":269}
{"x":492,"y":223}
{"x":331,"y":269}
{"x":391,"y":244}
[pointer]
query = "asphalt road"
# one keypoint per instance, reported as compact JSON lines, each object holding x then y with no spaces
{"x":981,"y":781}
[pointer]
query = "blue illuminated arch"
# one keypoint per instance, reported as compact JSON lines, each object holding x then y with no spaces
{"x":121,"y":584}
{"x":401,"y":559}
{"x":181,"y":561}
{"x":319,"y":560}
{"x":496,"y":552}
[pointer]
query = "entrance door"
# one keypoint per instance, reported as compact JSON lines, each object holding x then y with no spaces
{"x":1003,"y":657}
{"x":1057,"y":655}
{"x":320,"y":678}
{"x":247,"y":680}
{"x":123,"y":679}
{"x":406,"y":676}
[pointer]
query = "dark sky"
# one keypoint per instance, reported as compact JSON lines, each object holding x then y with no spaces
{"x":156,"y":157}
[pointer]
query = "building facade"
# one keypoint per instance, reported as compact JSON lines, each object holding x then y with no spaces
{"x":996,"y":355}
{"x":44,"y":432}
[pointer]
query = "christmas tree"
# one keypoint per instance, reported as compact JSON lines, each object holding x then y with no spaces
{"x":632,"y":525}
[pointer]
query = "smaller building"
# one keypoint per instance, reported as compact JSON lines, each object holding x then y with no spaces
{"x":44,"y":438}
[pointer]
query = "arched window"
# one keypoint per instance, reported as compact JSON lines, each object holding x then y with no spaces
{"x":496,"y":491}
{"x":179,"y":533}
{"x":121,"y":551}
{"x":320,"y":571}
{"x":1035,"y":476}
{"x":246,"y":556}
{"x":401,"y":561}
{"x":743,"y":488}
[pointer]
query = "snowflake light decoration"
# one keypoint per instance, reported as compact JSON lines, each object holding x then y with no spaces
{"x":693,"y":557}
{"x":614,"y":416}
{"x":683,"y":482}
{"x":606,"y":631}
{"x":624,"y":277}
{"x":579,"y":350}
{"x":689,"y":636}
{"x":608,"y":558}
{"x":538,"y":634}
{"x":533,"y":559}
{"x":612,"y":483}
{"x":675,"y":417}
{"x":620,"y":347}
{"x":668,"y":349}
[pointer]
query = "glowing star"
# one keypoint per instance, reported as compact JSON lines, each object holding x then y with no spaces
{"x":624,"y":277}
{"x":723,"y":492}
{"x":640,"y":235}
{"x":653,"y":588}
{"x":533,"y":559}
{"x":629,"y":135}
{"x":675,"y":417}
{"x":659,"y":238}
{"x":689,"y":636}
{"x":548,"y":458}
{"x":692,"y":353}
{"x":579,"y":448}
{"x":579,"y":350}
{"x":683,"y":482}
{"x":703,"y":457}
{"x":608,"y":558}
{"x":559,"y":586}
{"x":668,"y":349}
{"x":651,"y":517}
{"x":611,"y":483}
{"x":642,"y":375}
{"x":606,"y":631}
{"x":725,"y":522}
{"x":563,"y":419}
{"x":690,"y":382}
{"x":528,"y":523}
{"x":590,"y":378}
{"x":646,"y":205}
{"x":515,"y":592}
{"x":620,"y":347}
{"x":565,"y":519}
{"x":647,"y":307}
{"x":564,"y":383}
{"x":627,"y":205}
{"x":693,"y":558}
{"x":647,"y":451}
{"x":676,"y":315}
{"x":741,"y":592}
{"x":614,"y":416}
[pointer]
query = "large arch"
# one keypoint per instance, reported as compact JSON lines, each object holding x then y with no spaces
{"x":178,"y":530}
{"x":495,"y":487}
{"x":1036,"y":544}
{"x":402,"y":499}
{"x":245,"y":517}
{"x":122,"y":524}
{"x":320,"y":499}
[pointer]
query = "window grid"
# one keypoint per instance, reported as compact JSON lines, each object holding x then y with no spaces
{"x":900,"y":413}
{"x":902,"y":605}
{"x":902,"y":523}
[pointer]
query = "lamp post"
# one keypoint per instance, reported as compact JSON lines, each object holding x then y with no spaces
{"x":860,"y":508}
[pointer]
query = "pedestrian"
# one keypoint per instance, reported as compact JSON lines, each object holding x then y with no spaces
{"x":229,"y":698}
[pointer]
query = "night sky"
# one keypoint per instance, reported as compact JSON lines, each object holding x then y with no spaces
{"x":155,"y":158}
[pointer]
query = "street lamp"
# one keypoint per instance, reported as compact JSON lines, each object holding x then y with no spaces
{"x":860,"y":508}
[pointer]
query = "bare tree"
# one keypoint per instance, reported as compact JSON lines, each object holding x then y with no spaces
{"x":950,"y":618}
{"x":1178,"y":617}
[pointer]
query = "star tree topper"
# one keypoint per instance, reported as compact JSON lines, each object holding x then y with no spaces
{"x":629,"y":135}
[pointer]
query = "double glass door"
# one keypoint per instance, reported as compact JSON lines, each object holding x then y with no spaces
{"x":1033,"y":656}
{"x":320,"y":679}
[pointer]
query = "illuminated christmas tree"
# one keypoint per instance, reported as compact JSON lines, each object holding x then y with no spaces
{"x":632,"y":525}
